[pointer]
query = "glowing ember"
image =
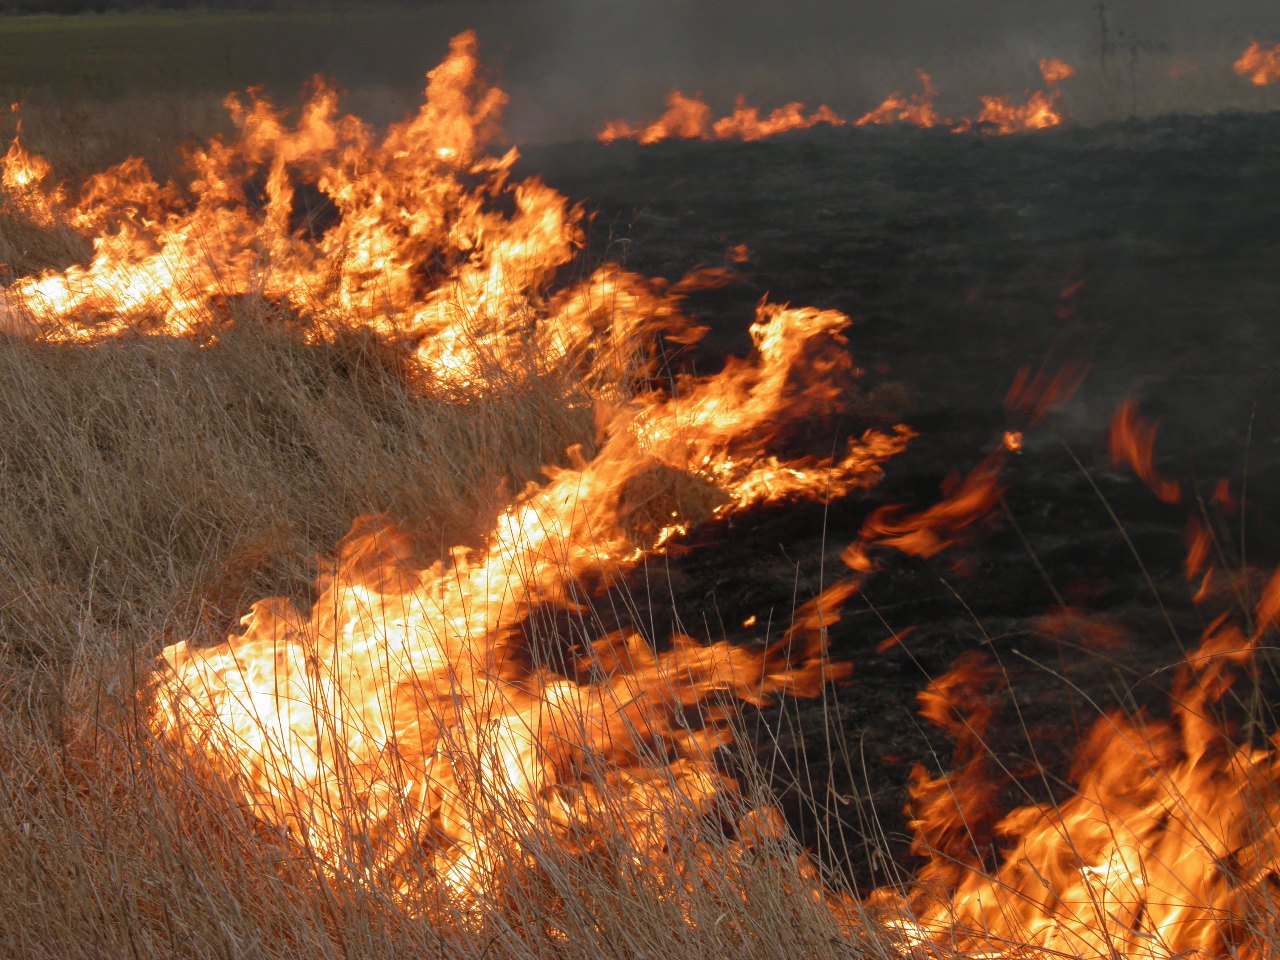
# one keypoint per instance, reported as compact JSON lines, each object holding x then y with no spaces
{"x":1260,"y":64}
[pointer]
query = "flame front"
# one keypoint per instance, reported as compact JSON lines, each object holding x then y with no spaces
{"x":430,"y":722}
{"x":1260,"y":64}
{"x":417,"y":234}
{"x":689,"y":118}
{"x":917,"y":109}
{"x":419,"y":707}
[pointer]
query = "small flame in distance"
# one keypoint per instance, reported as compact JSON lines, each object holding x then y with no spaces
{"x":1260,"y":64}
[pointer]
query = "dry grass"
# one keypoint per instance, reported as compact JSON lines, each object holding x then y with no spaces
{"x":151,"y":489}
{"x":152,"y":483}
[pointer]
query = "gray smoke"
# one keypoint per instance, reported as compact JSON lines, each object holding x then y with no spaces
{"x":570,"y":64}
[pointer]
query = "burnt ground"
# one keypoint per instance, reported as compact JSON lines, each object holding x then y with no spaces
{"x":1150,"y":249}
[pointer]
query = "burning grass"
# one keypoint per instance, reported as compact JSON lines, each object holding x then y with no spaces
{"x":463,"y":734}
{"x":689,"y":118}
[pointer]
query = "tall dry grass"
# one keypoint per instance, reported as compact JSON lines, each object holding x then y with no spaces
{"x":150,"y":488}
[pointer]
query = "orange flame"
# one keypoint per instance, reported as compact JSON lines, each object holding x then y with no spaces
{"x":1039,"y":112}
{"x":419,"y":718}
{"x":916,"y":109}
{"x":1260,"y":64}
{"x":1054,"y":70}
{"x":1133,"y":442}
{"x":1165,"y":849}
{"x":22,"y":178}
{"x":939,"y":527}
{"x":689,"y":118}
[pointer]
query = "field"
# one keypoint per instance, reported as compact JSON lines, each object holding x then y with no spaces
{"x":642,"y":738}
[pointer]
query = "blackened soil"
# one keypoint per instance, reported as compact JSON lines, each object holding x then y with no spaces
{"x":1150,"y":250}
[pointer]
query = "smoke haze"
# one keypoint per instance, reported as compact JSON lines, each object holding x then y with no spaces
{"x":568,"y":64}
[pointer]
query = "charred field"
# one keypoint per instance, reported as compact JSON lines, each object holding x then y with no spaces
{"x":1144,"y":249}
{"x":859,"y":542}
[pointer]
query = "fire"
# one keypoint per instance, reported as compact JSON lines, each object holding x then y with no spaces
{"x":1133,"y":442}
{"x":1167,"y":846}
{"x":418,"y":234}
{"x":689,"y":118}
{"x":931,"y":531}
{"x":22,"y":178}
{"x":1260,"y":64}
{"x":1041,"y":111}
{"x":427,"y":718}
{"x":434,"y":722}
{"x":1055,"y":71}
{"x":916,"y":109}
{"x":466,"y":732}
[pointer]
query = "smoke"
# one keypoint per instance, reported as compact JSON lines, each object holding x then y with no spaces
{"x":571,"y":63}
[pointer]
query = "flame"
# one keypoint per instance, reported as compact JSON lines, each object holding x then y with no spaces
{"x":416,"y":234}
{"x":422,"y":689}
{"x":1054,"y":70}
{"x":430,"y":723}
{"x":929,"y":532}
{"x":1260,"y":64}
{"x":689,"y":118}
{"x":425,"y":717}
{"x":22,"y":178}
{"x":916,"y":109}
{"x":1167,"y":847}
{"x":1041,"y":111}
{"x":1133,"y":442}
{"x":1035,"y":396}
